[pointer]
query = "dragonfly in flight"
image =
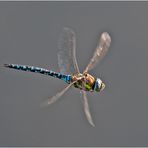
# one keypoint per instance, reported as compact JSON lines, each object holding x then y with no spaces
{"x":69,"y":70}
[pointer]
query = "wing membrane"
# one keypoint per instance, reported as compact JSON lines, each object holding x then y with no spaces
{"x":67,"y":52}
{"x":56,"y":97}
{"x":86,"y":108}
{"x":100,"y":51}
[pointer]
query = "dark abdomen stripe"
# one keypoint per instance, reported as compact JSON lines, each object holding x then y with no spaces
{"x":65,"y":78}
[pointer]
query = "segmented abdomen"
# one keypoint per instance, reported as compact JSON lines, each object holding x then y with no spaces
{"x":66,"y":78}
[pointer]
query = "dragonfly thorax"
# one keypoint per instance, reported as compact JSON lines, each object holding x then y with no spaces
{"x":87,"y":82}
{"x":83,"y":81}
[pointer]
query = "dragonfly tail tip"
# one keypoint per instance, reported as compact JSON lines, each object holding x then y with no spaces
{"x":5,"y":65}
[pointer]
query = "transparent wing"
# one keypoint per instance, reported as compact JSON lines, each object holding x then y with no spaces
{"x":67,"y":52}
{"x":86,"y":108}
{"x":100,"y":51}
{"x":56,"y":97}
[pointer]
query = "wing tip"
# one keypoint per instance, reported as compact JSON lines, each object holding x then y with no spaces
{"x":44,"y":104}
{"x":92,"y":124}
{"x":106,"y":36}
{"x":67,"y":29}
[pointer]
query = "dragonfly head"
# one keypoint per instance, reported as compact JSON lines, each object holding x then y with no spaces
{"x":98,"y":85}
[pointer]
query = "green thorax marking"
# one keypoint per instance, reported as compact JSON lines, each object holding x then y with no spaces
{"x":79,"y":85}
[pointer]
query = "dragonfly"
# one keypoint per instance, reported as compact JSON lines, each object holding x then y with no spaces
{"x":69,"y":70}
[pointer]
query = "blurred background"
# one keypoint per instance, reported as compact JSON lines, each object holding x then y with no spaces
{"x":29,"y":32}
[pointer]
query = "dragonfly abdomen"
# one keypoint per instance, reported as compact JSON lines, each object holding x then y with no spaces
{"x":66,"y":78}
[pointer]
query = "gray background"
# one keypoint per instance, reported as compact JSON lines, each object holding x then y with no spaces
{"x":28,"y":35}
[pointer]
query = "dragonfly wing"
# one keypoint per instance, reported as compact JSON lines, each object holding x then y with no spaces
{"x":67,"y":52}
{"x":86,"y":108}
{"x":100,"y":51}
{"x":56,"y":97}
